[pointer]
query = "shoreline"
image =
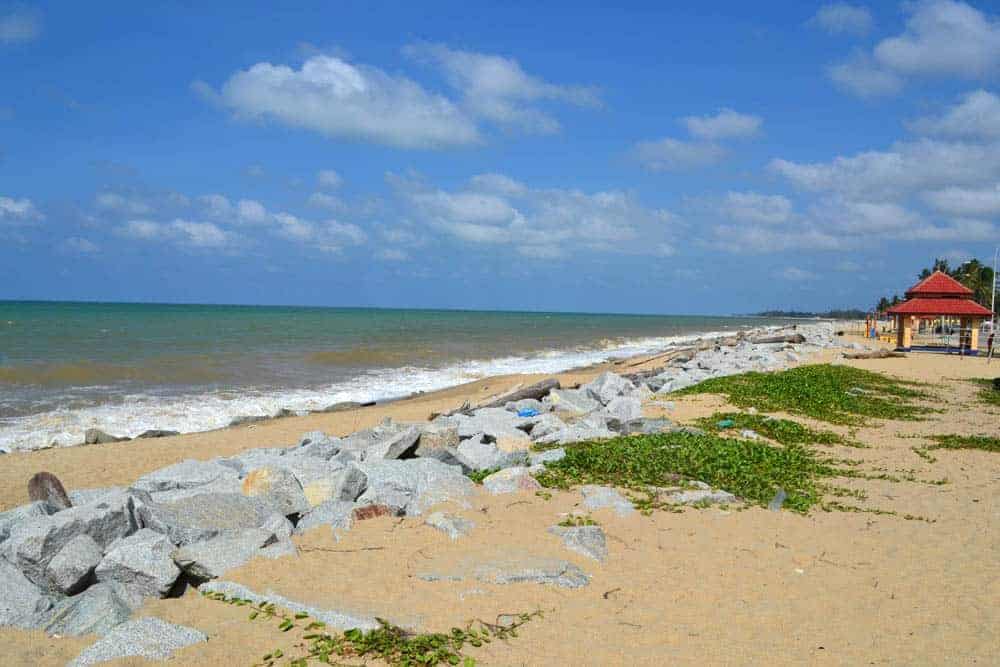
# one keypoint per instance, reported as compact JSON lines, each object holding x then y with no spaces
{"x":178,"y":413}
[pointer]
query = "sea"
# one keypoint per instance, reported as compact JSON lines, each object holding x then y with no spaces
{"x":129,"y":367}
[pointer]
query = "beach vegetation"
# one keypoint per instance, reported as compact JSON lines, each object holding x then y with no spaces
{"x":752,"y":470}
{"x":988,"y":392}
{"x":577,"y":521}
{"x":834,"y":394}
{"x":478,"y":476}
{"x":783,"y":431}
{"x":388,"y":643}
{"x":981,"y":442}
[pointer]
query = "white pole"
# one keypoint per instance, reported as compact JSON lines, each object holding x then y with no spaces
{"x":993,"y":306}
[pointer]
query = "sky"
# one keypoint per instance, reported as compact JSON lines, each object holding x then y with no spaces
{"x":683,"y":157}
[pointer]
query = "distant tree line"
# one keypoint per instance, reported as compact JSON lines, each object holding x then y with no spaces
{"x":845,"y":314}
{"x":973,"y":274}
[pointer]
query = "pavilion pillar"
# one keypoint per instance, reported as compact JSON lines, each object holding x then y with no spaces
{"x":963,"y":333}
{"x":898,"y":319}
{"x":974,"y":334}
{"x":908,"y":332}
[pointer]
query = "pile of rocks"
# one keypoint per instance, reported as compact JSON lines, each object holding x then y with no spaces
{"x":84,"y":568}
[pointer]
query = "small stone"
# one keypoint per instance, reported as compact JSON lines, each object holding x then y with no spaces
{"x":586,"y":540}
{"x":157,"y":433}
{"x":548,"y":456}
{"x":95,"y":436}
{"x":243,"y":420}
{"x":148,"y":637}
{"x":46,"y":487}
{"x":343,"y":406}
{"x":333,"y":619}
{"x":452,"y":525}
{"x":599,"y":497}
{"x":511,"y":480}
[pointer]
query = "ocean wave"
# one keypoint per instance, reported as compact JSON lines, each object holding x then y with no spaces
{"x":134,"y":413}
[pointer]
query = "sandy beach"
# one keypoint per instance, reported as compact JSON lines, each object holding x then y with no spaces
{"x":717,"y":585}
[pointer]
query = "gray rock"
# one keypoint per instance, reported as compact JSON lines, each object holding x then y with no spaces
{"x":701,"y":496}
{"x":222,"y":485}
{"x":279,"y":549}
{"x":87,"y":496}
{"x":578,"y":432}
{"x":69,"y":571}
{"x":334,"y":619}
{"x":437,"y":440}
{"x":334,"y":513}
{"x":622,"y":410}
{"x":94,"y":611}
{"x":343,"y":406}
{"x":511,"y":480}
{"x":213,"y":558}
{"x":278,"y":488}
{"x":157,"y":433}
{"x":394,"y":446}
{"x":504,"y":428}
{"x":346,"y":484}
{"x":13,"y":517}
{"x":599,"y":497}
{"x":204,"y":516}
{"x":95,"y":436}
{"x":414,"y":485}
{"x":546,"y":424}
{"x":749,"y":434}
{"x":607,"y":387}
{"x":142,"y":563}
{"x":360,"y":441}
{"x":452,"y":525}
{"x":19,"y":598}
{"x":33,"y":544}
{"x":316,"y":444}
{"x":243,"y":420}
{"x":307,"y":469}
{"x":548,"y":456}
{"x":515,"y":569}
{"x":573,"y":401}
{"x":475,"y":454}
{"x":147,"y":637}
{"x":585,"y":540}
{"x":184,"y":475}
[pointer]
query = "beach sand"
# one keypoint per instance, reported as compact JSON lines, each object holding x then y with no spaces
{"x":711,"y":586}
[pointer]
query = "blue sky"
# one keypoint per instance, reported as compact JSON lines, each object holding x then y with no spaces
{"x":662,"y":157}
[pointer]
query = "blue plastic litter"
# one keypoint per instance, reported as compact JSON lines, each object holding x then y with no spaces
{"x":726,"y":423}
{"x":527,"y":412}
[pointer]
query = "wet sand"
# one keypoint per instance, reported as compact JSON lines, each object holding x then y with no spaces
{"x":711,"y":586}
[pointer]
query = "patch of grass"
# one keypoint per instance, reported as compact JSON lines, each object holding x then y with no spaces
{"x":478,"y":476}
{"x":834,"y":394}
{"x":785,"y":431}
{"x":752,"y":470}
{"x":987,"y":393}
{"x":983,"y":442}
{"x":387,"y":643}
{"x":576,"y":521}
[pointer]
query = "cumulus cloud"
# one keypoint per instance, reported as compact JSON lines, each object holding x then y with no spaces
{"x":78,"y":246}
{"x":942,"y":38}
{"x":965,"y":202}
{"x":670,"y":154}
{"x":498,"y":89}
{"x":756,"y":207}
{"x":18,"y":211}
{"x":186,"y":233}
{"x":976,"y":116}
{"x":342,"y":100}
{"x":19,"y":26}
{"x":329,"y":179}
{"x":725,"y":124}
{"x":116,"y":203}
{"x":540,"y":223}
{"x":841,"y":17}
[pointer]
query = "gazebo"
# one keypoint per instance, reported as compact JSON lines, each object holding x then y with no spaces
{"x":939,"y":296}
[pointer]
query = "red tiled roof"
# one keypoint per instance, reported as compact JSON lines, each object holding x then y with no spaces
{"x":939,"y":306}
{"x":939,"y":284}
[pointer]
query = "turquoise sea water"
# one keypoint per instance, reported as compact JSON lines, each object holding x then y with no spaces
{"x":126,"y":367}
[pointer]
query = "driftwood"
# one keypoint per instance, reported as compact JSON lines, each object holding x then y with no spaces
{"x":46,"y":487}
{"x":536,"y":391}
{"x":874,"y":354}
{"x":790,"y":338}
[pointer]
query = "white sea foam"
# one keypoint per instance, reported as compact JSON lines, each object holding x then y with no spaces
{"x":211,"y":410}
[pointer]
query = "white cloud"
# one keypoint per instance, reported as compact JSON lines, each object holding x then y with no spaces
{"x":18,"y":211}
{"x":672,"y":154}
{"x":392,"y":255}
{"x":116,"y":203}
{"x":343,"y":100}
{"x":201,"y":234}
{"x":329,"y":179}
{"x":841,"y":17}
{"x":756,"y":207}
{"x":325,"y":201}
{"x":540,"y":223}
{"x":965,"y":201}
{"x":977,"y":116}
{"x":78,"y":246}
{"x":943,"y":38}
{"x":19,"y":26}
{"x":498,"y":183}
{"x":216,"y":205}
{"x":498,"y":89}
{"x":251,"y":212}
{"x":726,"y":124}
{"x":864,"y":78}
{"x":146,"y":230}
{"x":795,"y":274}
